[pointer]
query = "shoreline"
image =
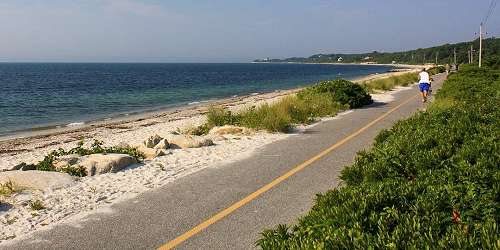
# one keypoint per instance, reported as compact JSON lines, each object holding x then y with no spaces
{"x":182,"y":109}
{"x":401,"y":65}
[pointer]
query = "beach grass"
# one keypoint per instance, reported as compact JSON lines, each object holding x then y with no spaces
{"x":36,"y":205}
{"x":389,"y":83}
{"x":324,"y":99}
{"x":279,"y":116}
{"x":7,"y":188}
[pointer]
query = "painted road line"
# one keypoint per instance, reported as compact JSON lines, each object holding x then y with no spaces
{"x":175,"y":242}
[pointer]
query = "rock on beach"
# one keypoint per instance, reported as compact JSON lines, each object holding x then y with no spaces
{"x":34,"y":179}
{"x":96,"y":164}
{"x":228,"y":129}
{"x":188,"y":141}
{"x":151,"y":153}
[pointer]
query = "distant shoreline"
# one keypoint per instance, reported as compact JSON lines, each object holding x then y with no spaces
{"x":361,"y":64}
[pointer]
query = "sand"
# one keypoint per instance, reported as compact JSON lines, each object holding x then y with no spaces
{"x":95,"y":192}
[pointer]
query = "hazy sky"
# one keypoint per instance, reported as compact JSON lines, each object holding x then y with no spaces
{"x":228,"y":30}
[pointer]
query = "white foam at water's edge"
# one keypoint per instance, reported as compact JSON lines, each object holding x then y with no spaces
{"x":198,"y":102}
{"x":73,"y":124}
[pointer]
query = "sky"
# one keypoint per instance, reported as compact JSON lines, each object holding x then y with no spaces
{"x":229,"y":30}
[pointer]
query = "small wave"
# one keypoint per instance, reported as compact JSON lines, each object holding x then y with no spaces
{"x":234,"y":96}
{"x":256,"y":93}
{"x":198,"y":102}
{"x":74,"y":124}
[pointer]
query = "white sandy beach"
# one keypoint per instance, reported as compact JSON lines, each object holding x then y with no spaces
{"x":91,"y":193}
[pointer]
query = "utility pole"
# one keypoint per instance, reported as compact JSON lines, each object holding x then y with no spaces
{"x":455,"y":56}
{"x":480,"y":43}
{"x":471,"y":53}
{"x":468,"y":55}
{"x":437,"y":54}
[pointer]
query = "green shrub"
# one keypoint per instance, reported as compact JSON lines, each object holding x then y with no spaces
{"x":436,"y":70}
{"x":492,"y":61}
{"x":199,"y":130}
{"x":218,"y":116}
{"x":75,"y":170}
{"x":430,"y":182}
{"x":342,"y":91}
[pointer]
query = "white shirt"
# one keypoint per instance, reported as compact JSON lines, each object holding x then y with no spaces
{"x":424,"y":77}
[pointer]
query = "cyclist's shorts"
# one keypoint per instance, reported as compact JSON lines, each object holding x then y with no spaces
{"x":424,"y":86}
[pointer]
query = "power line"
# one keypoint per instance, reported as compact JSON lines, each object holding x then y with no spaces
{"x":491,"y":8}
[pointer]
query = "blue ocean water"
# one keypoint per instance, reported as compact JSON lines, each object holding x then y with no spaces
{"x":47,"y":94}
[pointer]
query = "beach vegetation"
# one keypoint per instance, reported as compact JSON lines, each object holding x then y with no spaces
{"x":47,"y":164}
{"x":36,"y":205}
{"x":342,"y":91}
{"x":74,"y":170}
{"x":388,"y":83}
{"x":326,"y":98}
{"x":197,"y":130}
{"x":7,"y":188}
{"x":431,"y":181}
{"x":436,"y":70}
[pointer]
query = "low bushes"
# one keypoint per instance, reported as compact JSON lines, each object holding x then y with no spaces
{"x":323,"y":99}
{"x":342,"y":91}
{"x":431,"y":181}
{"x":436,"y":70}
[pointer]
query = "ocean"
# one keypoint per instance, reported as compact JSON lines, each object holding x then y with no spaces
{"x":35,"y":95}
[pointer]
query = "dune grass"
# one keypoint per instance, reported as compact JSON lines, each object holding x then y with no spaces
{"x":324,"y":99}
{"x":279,"y":116}
{"x":6,"y":189}
{"x":390,"y":82}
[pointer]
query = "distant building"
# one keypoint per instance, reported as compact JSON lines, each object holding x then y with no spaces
{"x":340,"y":59}
{"x":367,"y":58}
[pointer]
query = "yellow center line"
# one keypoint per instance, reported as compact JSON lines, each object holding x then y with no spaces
{"x":175,"y":242}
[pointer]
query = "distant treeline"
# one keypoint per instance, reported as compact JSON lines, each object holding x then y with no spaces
{"x":444,"y":53}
